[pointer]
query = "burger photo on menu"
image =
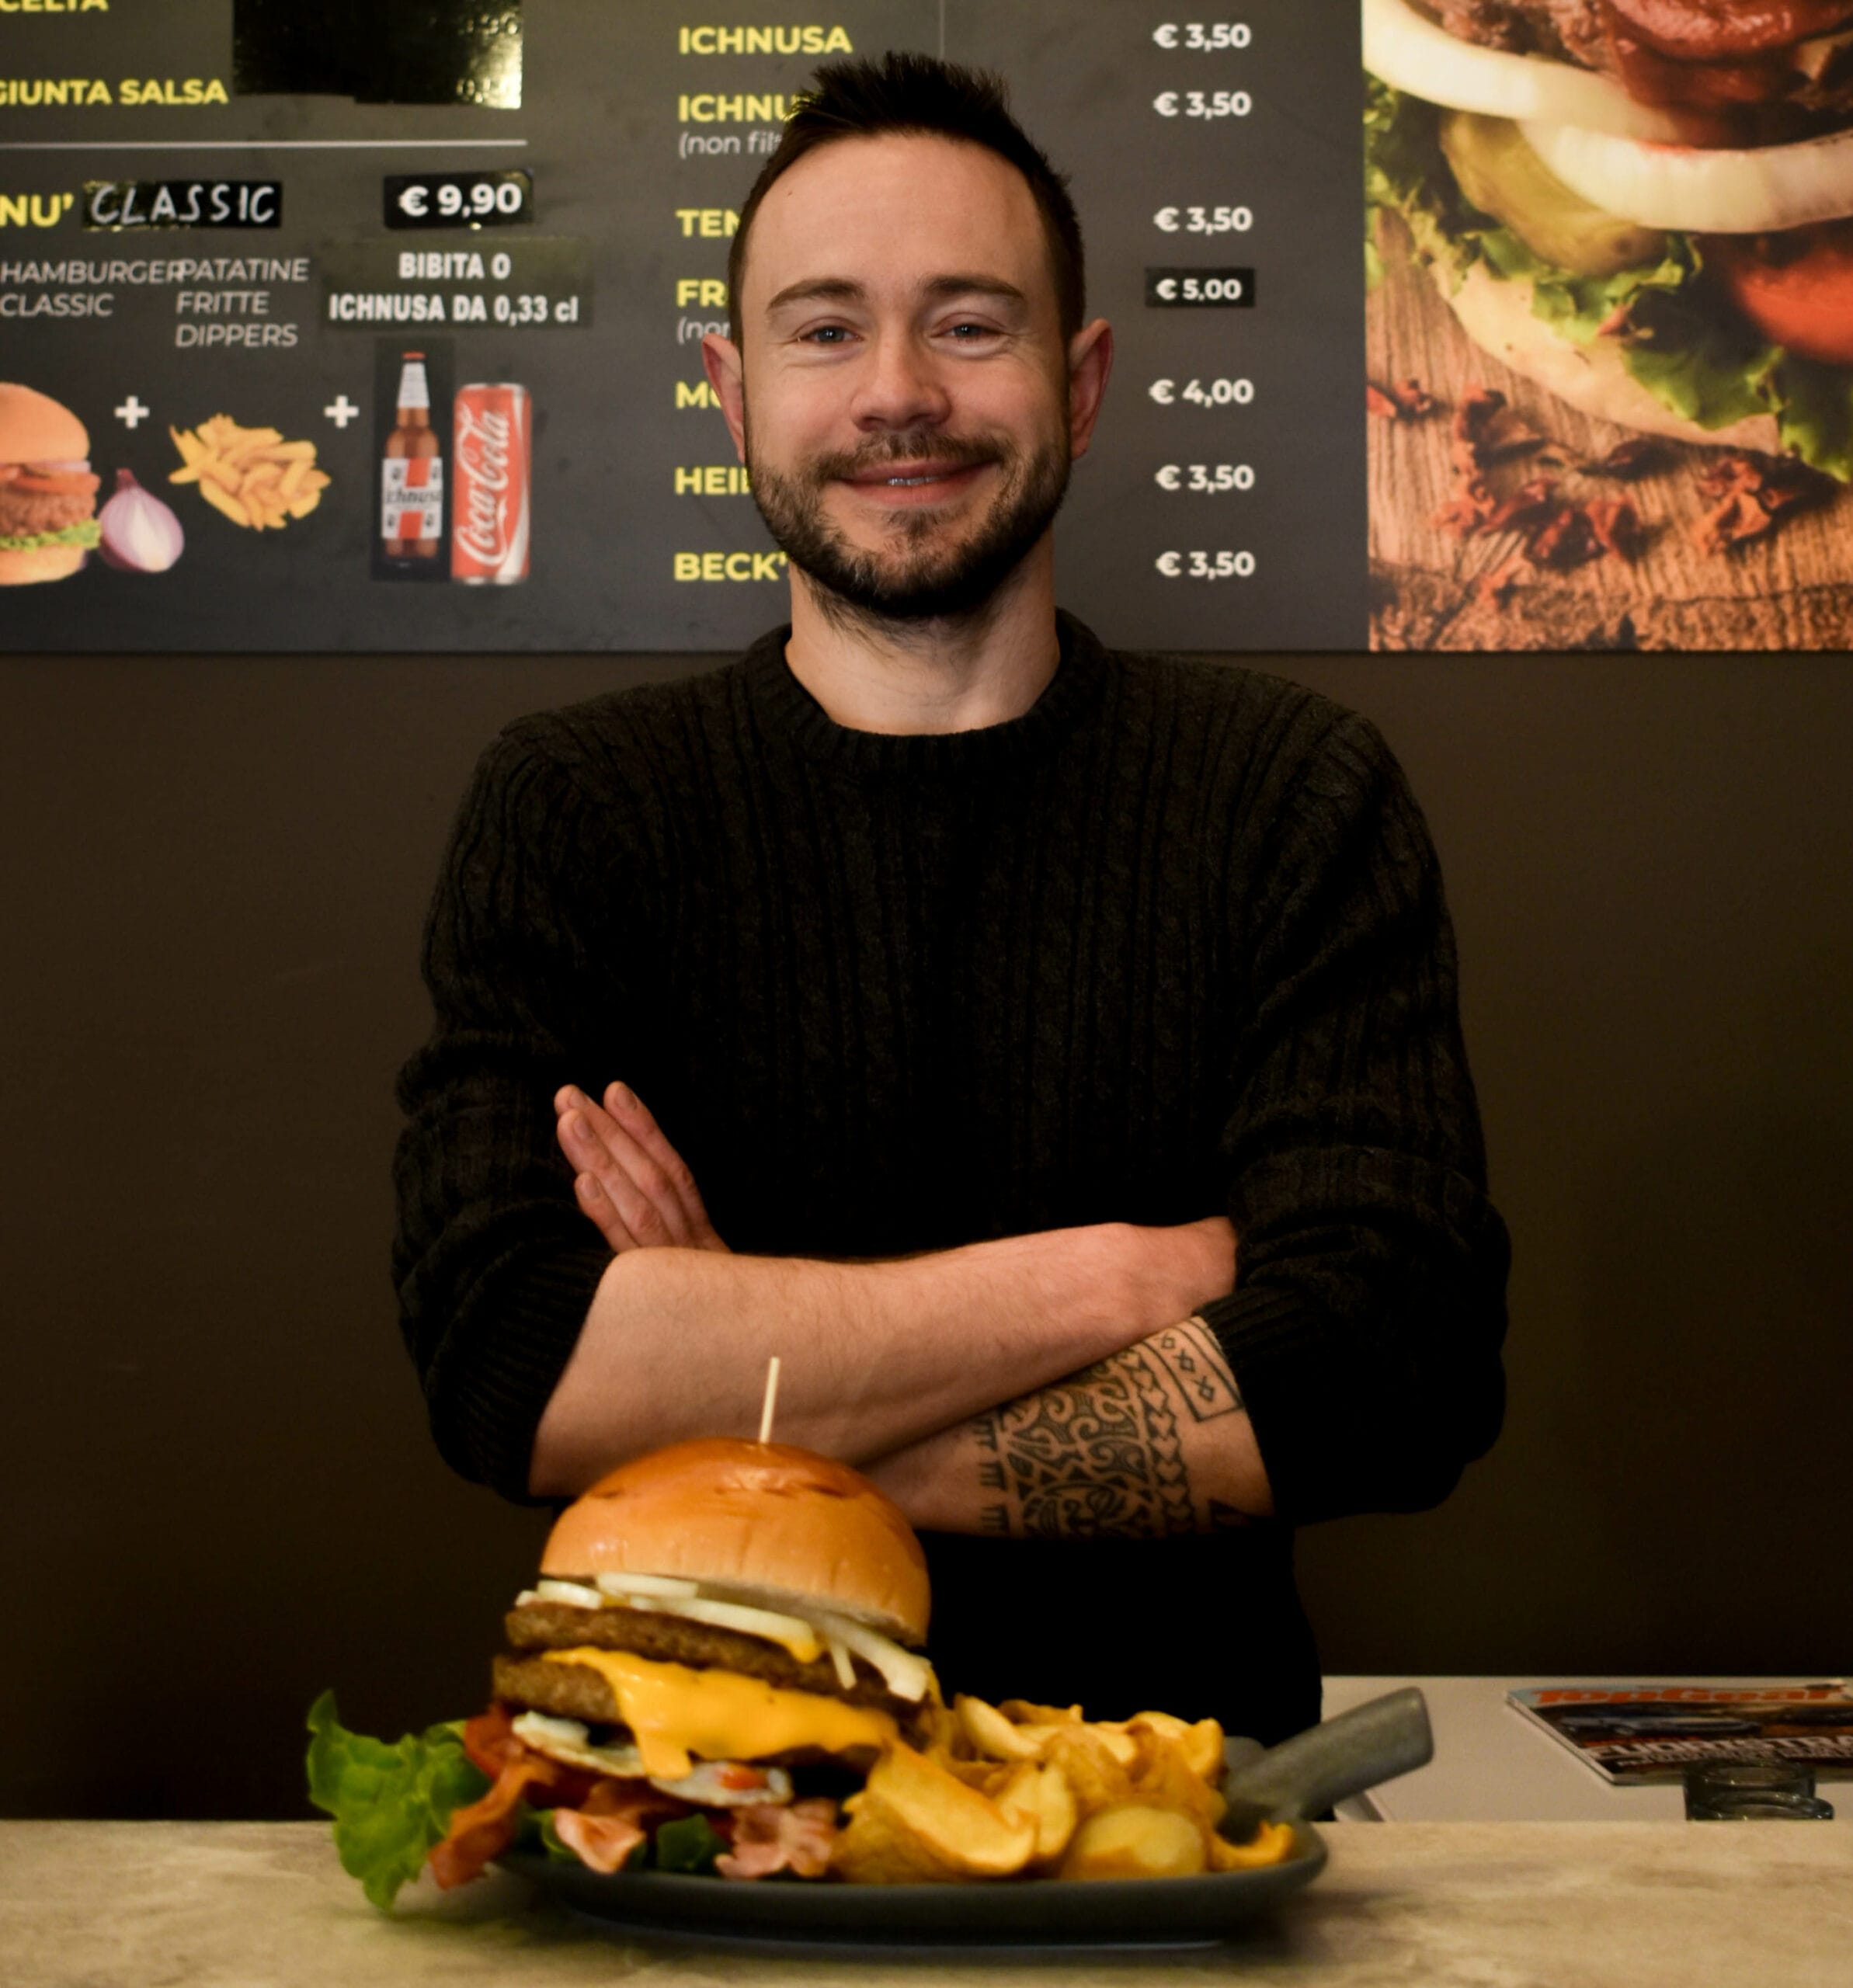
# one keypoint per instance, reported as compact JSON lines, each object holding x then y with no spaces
{"x":48,"y":524}
{"x":718,"y":1673}
{"x":1609,"y":268}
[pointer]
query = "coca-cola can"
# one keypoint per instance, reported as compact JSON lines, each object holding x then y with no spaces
{"x":491,"y":513}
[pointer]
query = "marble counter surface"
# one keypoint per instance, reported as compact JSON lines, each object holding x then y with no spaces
{"x":1418,"y":1905}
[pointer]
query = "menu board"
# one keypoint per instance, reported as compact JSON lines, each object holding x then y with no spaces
{"x":380,"y":330}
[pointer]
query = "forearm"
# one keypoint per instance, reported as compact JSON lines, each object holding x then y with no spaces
{"x":1151,"y":1441}
{"x":875,"y":1356}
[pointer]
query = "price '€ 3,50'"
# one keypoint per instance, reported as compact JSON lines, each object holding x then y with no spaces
{"x":1206,"y":566}
{"x":1203,"y":103}
{"x":1203,"y":37}
{"x":1206,"y":479}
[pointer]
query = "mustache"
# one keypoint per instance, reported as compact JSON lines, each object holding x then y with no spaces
{"x":956,"y":451}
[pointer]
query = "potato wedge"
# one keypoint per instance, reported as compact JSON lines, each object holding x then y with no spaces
{"x":1091,"y":1767}
{"x":1137,"y":1839}
{"x":1202,"y":1743}
{"x":1163,"y":1775}
{"x":991,"y":1734}
{"x":1042,"y":1793}
{"x":913,"y":1822}
{"x":1272,"y":1843}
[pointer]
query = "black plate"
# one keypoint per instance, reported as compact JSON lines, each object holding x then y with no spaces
{"x":1032,"y":1913}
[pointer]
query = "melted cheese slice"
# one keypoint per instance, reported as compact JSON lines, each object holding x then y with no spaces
{"x":676,"y":1713}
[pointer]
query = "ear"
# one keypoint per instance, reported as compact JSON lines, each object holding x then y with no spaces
{"x":1089,"y":361}
{"x":721,"y":361}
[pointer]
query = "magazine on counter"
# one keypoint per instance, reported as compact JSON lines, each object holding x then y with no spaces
{"x":1630,"y":1733}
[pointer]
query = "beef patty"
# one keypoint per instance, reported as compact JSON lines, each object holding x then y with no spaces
{"x":525,"y":1677}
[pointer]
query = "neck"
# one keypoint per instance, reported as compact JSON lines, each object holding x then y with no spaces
{"x":958,"y":674}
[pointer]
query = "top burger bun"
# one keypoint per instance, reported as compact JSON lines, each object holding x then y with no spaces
{"x":36,"y":429}
{"x":785,"y":1525}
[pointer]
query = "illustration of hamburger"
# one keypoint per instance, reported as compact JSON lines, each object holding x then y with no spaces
{"x":1643,"y":206}
{"x":47,"y":492}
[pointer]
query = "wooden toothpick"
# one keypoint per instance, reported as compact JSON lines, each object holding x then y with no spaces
{"x":771,"y":1399}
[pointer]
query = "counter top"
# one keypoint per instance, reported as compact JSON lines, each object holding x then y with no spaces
{"x":1447,"y":1905}
{"x":1492,"y":1764}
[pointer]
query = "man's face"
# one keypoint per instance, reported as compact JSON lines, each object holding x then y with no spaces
{"x":903,"y":385}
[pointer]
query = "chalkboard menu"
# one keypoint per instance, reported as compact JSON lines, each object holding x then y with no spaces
{"x":379,"y":328}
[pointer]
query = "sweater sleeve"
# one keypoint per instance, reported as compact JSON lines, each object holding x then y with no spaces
{"x":495,"y":1264}
{"x":1365,"y":1327}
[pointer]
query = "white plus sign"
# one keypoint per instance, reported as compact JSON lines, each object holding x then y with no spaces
{"x":130,"y":412}
{"x":341,"y":411}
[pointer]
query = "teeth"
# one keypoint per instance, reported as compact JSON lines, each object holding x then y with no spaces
{"x":910,"y":482}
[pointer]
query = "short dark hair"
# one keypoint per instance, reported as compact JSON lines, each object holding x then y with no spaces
{"x":911,"y":93}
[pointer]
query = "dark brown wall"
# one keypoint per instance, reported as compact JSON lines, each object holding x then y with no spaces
{"x":219,"y":1495}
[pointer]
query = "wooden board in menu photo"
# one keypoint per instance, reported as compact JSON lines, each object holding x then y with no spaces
{"x":1664,"y":583}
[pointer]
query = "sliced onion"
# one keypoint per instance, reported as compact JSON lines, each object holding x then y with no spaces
{"x":570,"y":1592}
{"x":905,"y":1674}
{"x":624,"y":1584}
{"x":792,"y":1632}
{"x":1409,"y":52}
{"x":1710,"y":193}
{"x":840,"y":1656}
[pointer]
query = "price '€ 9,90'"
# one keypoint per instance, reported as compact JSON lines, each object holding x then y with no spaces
{"x":1205,"y":38}
{"x":458,"y":199}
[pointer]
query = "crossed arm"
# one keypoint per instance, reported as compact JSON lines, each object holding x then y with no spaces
{"x":1052,"y":1386}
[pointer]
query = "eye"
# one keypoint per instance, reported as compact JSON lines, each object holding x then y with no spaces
{"x":966,"y":330}
{"x":825,"y":334}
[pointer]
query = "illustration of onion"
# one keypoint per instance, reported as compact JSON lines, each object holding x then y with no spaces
{"x":139,"y":534}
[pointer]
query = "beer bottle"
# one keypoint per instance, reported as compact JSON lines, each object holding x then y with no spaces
{"x":411,"y":489}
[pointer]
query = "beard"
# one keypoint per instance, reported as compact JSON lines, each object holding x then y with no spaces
{"x":917,"y":577}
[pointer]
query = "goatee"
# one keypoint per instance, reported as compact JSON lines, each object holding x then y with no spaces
{"x":919,"y":579}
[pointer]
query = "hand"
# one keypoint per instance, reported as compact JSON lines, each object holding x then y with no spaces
{"x":632,"y":1184}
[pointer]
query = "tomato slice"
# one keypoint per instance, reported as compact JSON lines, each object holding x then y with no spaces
{"x":1795,"y":287}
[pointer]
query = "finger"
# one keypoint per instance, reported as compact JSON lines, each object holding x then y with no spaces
{"x":597,"y":1209}
{"x":627,"y":1108}
{"x":631,"y":1183}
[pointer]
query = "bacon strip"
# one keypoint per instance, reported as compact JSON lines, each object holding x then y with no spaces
{"x":486,"y":1828}
{"x":482,"y":1830}
{"x":604,"y":1843}
{"x":770,"y":1836}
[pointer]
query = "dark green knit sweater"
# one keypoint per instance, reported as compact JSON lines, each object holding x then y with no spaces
{"x":1171,"y":943}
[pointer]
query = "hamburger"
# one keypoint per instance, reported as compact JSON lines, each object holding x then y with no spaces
{"x":1646,"y":207}
{"x":48,"y":493}
{"x":722,"y":1630}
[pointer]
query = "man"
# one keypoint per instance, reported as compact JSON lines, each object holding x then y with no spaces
{"x":1064,"y":1043}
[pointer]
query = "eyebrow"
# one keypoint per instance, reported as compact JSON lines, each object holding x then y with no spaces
{"x":845,"y":290}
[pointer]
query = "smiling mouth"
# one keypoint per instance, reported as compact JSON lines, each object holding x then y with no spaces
{"x":914,"y":476}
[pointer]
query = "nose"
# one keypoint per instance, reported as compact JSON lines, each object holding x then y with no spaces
{"x":901,"y":387}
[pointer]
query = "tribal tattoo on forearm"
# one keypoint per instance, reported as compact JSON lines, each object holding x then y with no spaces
{"x":1101,"y":1454}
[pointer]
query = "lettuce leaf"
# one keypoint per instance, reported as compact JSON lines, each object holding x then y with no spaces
{"x":1814,"y":413}
{"x":1682,"y":341}
{"x":691,"y":1844}
{"x":391,"y":1804}
{"x":87,"y":531}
